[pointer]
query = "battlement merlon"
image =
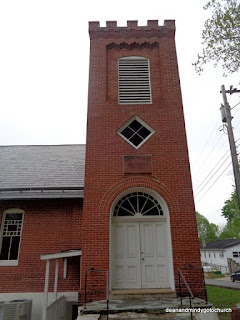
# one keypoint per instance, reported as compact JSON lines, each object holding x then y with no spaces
{"x":132,"y":29}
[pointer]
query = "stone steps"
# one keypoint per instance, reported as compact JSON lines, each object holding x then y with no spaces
{"x":147,"y":316}
{"x":148,"y":307}
{"x":141,"y":294}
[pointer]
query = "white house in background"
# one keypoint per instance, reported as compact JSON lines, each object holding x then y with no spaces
{"x":216,"y":254}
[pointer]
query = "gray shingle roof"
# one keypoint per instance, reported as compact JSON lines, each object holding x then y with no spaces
{"x":222,"y":244}
{"x":51,"y":167}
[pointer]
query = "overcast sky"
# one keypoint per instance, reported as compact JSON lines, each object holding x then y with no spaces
{"x":44,"y":56}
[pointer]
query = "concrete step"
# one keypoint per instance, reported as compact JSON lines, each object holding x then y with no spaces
{"x":143,"y":294}
{"x":169,"y":316}
{"x":89,"y":317}
{"x":145,"y":308}
{"x":147,"y":316}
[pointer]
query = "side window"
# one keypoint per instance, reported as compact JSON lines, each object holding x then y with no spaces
{"x":134,"y":86}
{"x":236,"y":254}
{"x":11,"y":230}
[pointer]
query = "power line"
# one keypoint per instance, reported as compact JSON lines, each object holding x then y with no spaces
{"x":209,"y":163}
{"x":213,"y":169}
{"x":202,"y":152}
{"x":216,"y":166}
{"x":213,"y":183}
{"x":211,"y":177}
{"x":235,"y":106}
{"x":209,"y":154}
{"x":226,"y":118}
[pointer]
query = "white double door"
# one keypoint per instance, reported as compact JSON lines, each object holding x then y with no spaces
{"x":139,"y":255}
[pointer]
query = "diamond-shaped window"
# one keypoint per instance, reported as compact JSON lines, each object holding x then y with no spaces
{"x":136,"y":132}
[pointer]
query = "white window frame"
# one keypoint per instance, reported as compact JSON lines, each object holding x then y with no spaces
{"x":133,"y":213}
{"x":221,"y":254}
{"x":236,"y":254}
{"x":12,"y":210}
{"x":149,"y":80}
{"x":143,"y":124}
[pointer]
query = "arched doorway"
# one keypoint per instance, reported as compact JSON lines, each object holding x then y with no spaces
{"x":141,"y":251}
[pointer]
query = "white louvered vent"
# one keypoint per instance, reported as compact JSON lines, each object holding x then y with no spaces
{"x":134,"y":80}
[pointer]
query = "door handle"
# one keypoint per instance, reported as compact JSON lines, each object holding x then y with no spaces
{"x":142,"y":258}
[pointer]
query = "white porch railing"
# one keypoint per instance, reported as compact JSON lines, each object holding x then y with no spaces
{"x":56,"y":257}
{"x":57,"y":310}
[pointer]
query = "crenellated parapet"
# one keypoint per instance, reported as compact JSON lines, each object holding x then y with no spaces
{"x":132,"y":30}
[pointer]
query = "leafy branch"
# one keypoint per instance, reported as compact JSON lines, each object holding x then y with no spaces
{"x":221,"y":36}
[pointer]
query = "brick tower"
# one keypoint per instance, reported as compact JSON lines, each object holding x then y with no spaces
{"x":138,"y":218}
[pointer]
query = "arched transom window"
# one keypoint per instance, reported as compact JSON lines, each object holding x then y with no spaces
{"x":137,"y":204}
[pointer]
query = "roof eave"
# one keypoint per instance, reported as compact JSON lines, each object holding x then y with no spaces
{"x":42,"y":193}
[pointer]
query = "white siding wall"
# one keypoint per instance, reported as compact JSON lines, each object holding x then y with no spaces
{"x":229,"y":253}
{"x":215,"y":260}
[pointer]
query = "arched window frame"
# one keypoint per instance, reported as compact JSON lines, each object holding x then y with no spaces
{"x":9,"y":261}
{"x":137,"y":203}
{"x":154,"y":194}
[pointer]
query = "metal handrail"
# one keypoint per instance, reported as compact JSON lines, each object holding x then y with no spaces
{"x":203,"y":278}
{"x":186,"y":284}
{"x":107,"y":287}
{"x":191,"y":296}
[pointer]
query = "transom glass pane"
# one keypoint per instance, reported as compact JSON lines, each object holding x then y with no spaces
{"x":137,"y":203}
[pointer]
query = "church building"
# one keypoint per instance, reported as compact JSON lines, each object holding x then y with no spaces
{"x":119,"y":211}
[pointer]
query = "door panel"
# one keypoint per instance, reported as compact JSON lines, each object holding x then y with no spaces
{"x":153,"y":255}
{"x":139,"y":255}
{"x":126,"y":271}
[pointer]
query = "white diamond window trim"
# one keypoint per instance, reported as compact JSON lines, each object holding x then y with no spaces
{"x":134,"y":85}
{"x":136,"y":132}
{"x":137,"y":203}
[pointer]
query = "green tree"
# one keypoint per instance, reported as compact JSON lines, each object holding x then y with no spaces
{"x":221,"y":36}
{"x":231,"y":229}
{"x":206,"y":230}
{"x":230,"y":208}
{"x":230,"y":212}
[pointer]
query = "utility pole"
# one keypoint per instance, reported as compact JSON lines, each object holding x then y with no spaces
{"x":226,"y":117}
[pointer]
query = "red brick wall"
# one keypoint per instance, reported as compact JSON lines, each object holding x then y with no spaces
{"x":49,"y":226}
{"x":105,"y":149}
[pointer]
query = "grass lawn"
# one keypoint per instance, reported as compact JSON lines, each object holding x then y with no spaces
{"x":223,"y":298}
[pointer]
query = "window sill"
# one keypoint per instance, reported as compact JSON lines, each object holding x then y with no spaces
{"x":8,"y":263}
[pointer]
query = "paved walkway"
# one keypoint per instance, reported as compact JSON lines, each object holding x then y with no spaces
{"x":223,"y":282}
